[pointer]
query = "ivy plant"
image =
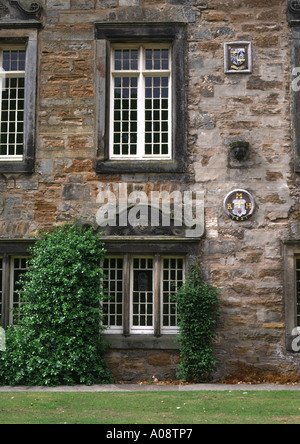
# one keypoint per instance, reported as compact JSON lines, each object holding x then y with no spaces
{"x":197,"y":303}
{"x":58,"y":339}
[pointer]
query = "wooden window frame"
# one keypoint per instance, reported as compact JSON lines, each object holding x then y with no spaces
{"x":8,"y":251}
{"x":291,"y":252}
{"x":15,"y":306}
{"x":156,"y":329}
{"x":11,"y":74}
{"x":140,"y":74}
{"x":28,"y":39}
{"x":293,"y":16}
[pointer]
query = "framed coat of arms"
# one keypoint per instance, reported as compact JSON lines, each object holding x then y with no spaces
{"x":238,"y":57}
{"x":239,"y":205}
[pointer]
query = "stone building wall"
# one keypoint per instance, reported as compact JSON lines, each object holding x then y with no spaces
{"x":244,"y":258}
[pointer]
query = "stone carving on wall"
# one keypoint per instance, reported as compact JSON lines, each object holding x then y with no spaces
{"x":30,"y":8}
{"x":4,"y":11}
{"x":144,"y":228}
{"x":294,"y":6}
{"x":294,"y":12}
{"x":159,"y":213}
{"x":17,"y":11}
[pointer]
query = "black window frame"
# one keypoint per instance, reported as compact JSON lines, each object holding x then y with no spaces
{"x":107,"y":34}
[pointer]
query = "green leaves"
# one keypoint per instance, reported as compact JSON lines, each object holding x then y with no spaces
{"x":58,"y":340}
{"x":197,"y":309}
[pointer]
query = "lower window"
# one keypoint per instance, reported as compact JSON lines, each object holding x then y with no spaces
{"x":291,"y":251}
{"x":140,"y":293}
{"x":139,"y":289}
{"x":11,"y":270}
{"x":298,"y":291}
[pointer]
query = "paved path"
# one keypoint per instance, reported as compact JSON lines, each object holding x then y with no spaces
{"x":153,"y":388}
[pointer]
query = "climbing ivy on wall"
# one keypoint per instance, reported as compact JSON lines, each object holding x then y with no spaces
{"x":58,"y":339}
{"x":197,"y":309}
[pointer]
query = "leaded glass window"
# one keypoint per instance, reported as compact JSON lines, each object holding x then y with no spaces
{"x":140,"y":292}
{"x":141,"y":102}
{"x":12,"y":100}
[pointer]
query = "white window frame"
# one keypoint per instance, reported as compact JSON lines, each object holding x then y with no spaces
{"x":141,"y":329}
{"x":141,"y":73}
{"x":3,"y":76}
{"x":157,"y":298}
{"x":116,"y":329}
{"x":1,"y":291}
{"x":169,"y":329}
{"x":12,"y":304}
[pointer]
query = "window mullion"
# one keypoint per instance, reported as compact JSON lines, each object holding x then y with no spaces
{"x":157,"y":294}
{"x":6,"y":290}
{"x":126,"y":300}
{"x":112,"y":91}
{"x":141,"y":106}
{"x":2,"y":80}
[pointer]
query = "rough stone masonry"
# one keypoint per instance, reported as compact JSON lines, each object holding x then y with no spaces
{"x":244,"y":258}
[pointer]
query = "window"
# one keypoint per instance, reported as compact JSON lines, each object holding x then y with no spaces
{"x":19,"y":266}
{"x":142,"y":295}
{"x":18,"y":77}
{"x":293,"y":14}
{"x":298,"y":290}
{"x":11,"y":270}
{"x":140,"y":290}
{"x":141,"y":104}
{"x":292,"y":290}
{"x":172,"y":279}
{"x":12,"y":89}
{"x":1,"y":292}
{"x":113,"y":284}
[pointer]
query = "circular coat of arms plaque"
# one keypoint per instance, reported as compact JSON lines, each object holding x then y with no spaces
{"x":239,"y":205}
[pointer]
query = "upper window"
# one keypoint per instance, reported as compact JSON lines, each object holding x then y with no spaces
{"x":294,"y":22}
{"x":18,"y":77}
{"x":141,"y":102}
{"x":12,"y":89}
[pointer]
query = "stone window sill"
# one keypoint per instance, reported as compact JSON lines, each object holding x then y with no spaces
{"x":25,"y":166}
{"x":129,"y":167}
{"x":150,"y":342}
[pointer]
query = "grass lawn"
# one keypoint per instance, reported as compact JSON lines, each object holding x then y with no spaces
{"x":236,"y":407}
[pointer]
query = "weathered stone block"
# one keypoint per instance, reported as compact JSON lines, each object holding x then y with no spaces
{"x":72,"y":191}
